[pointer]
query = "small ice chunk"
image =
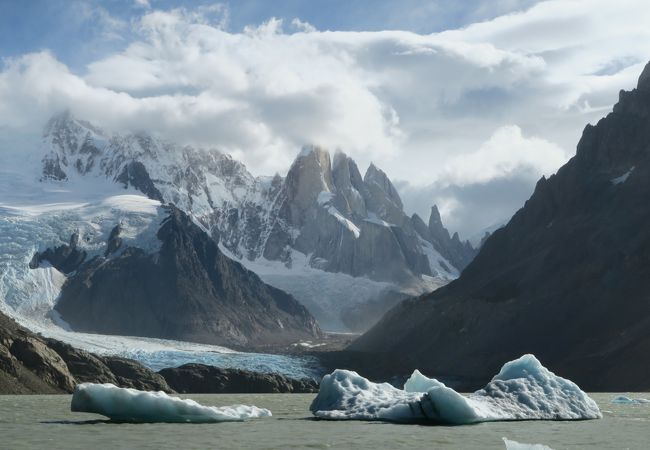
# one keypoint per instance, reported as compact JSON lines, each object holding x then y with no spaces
{"x":621,"y":399}
{"x":514,"y":445}
{"x":523,"y":390}
{"x":131,"y":405}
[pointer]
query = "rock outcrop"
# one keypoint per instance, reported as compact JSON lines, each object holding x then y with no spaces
{"x":31,"y":364}
{"x":567,"y":279}
{"x":199,"y":378}
{"x":65,"y":258}
{"x":189,"y":290}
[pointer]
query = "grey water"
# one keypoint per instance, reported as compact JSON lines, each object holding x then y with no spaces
{"x":45,"y":421}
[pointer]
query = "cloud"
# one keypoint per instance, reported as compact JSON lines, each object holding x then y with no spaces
{"x":482,"y":188}
{"x":505,"y":154}
{"x":497,"y":102}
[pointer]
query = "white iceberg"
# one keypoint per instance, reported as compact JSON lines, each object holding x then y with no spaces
{"x":131,"y":405}
{"x":523,"y":390}
{"x":514,"y":445}
{"x":621,"y":399}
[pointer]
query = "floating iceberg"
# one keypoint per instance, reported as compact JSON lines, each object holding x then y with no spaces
{"x":523,"y":390}
{"x":131,"y":405}
{"x":514,"y":445}
{"x":621,"y":399}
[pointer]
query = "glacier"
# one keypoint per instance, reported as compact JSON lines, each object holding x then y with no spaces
{"x":523,"y":390}
{"x":132,"y":405}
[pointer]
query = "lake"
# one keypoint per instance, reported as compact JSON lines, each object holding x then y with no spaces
{"x":45,"y":421}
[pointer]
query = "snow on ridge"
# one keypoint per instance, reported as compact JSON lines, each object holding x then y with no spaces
{"x":348,"y":224}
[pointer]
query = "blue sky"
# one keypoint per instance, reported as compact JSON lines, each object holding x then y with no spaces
{"x":465,"y":104}
{"x":75,"y":30}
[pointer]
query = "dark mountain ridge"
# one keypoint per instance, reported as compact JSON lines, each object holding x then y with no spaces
{"x":568,"y":278}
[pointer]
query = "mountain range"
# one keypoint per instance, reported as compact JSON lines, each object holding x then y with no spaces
{"x":126,"y":234}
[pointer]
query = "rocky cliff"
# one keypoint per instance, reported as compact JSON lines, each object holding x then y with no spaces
{"x":568,"y":278}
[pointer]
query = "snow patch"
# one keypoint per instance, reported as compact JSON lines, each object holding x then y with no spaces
{"x":623,"y":178}
{"x":345,"y":222}
{"x":324,"y":197}
{"x":131,"y":405}
{"x":373,"y":218}
{"x":523,"y":390}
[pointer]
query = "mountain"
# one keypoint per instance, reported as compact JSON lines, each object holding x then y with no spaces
{"x":568,"y":278}
{"x":319,"y":233}
{"x":188,"y":290}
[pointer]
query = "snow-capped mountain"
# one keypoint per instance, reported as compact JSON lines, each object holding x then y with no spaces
{"x":320,"y":233}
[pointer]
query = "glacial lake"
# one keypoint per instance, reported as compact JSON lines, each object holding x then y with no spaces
{"x":45,"y":421}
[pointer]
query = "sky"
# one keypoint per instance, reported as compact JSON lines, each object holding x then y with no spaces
{"x":463,"y":104}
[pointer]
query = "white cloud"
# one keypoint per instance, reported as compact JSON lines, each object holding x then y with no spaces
{"x":461,"y":108}
{"x":505,"y":154}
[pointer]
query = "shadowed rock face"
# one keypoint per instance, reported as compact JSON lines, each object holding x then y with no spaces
{"x":188,"y":291}
{"x":136,"y":175}
{"x":199,"y":378}
{"x":568,"y":279}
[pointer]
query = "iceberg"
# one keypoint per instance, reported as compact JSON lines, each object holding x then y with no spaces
{"x":131,"y":405}
{"x":623,"y":400}
{"x":514,"y":445}
{"x":522,"y":390}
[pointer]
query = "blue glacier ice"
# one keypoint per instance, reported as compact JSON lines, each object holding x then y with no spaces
{"x":131,"y":405}
{"x":522,"y":390}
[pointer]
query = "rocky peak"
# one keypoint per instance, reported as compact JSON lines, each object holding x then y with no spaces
{"x":436,"y":227}
{"x":644,"y":79}
{"x":377,"y":177}
{"x":309,"y":175}
{"x":349,"y":186}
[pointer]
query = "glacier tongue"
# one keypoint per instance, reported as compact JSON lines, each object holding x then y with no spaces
{"x":131,"y":405}
{"x":523,"y":390}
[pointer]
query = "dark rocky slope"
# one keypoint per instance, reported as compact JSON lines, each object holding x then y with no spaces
{"x":189,"y":290}
{"x":199,"y":378}
{"x":568,"y":279}
{"x":31,"y":364}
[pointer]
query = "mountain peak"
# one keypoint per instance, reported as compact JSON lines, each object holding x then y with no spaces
{"x":378,"y":177}
{"x":435,"y":218}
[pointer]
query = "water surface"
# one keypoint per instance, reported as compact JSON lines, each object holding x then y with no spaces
{"x":45,"y":421}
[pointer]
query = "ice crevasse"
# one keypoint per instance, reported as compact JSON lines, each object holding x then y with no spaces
{"x":523,"y":390}
{"x":132,"y":405}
